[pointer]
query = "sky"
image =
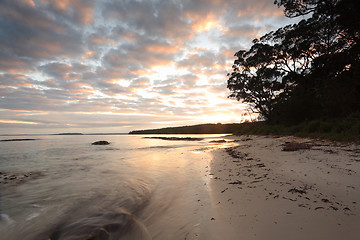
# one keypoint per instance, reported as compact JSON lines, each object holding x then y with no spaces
{"x":115,"y":66}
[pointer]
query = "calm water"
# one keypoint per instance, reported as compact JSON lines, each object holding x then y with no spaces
{"x":134,"y":188}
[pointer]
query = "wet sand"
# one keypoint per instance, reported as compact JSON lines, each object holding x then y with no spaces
{"x":284,"y":188}
{"x":253,"y":188}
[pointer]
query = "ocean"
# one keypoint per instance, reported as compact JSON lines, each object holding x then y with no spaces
{"x":134,"y":188}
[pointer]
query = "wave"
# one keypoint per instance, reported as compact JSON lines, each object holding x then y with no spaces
{"x":103,"y":217}
{"x":6,"y":219}
{"x":107,"y":225}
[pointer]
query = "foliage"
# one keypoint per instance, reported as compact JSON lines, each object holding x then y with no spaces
{"x":345,"y":129}
{"x":305,"y":70}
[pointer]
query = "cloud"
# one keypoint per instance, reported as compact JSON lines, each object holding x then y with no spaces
{"x":64,"y":71}
{"x":26,"y":31}
{"x":123,"y":64}
{"x":15,"y":80}
{"x":13,"y":64}
{"x":154,"y":19}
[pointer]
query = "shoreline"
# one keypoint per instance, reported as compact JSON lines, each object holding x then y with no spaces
{"x":259,"y":191}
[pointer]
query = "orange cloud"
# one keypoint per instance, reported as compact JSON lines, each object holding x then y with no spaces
{"x":82,"y":8}
{"x":77,"y":85}
{"x":30,"y":113}
{"x":201,"y":24}
{"x":24,"y":85}
{"x":47,"y":48}
{"x":89,"y":55}
{"x":99,"y":40}
{"x":206,"y":26}
{"x":168,"y":49}
{"x":29,"y":2}
{"x":142,"y":72}
{"x":83,"y":92}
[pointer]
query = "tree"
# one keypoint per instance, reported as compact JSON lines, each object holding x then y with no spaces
{"x":295,"y":68}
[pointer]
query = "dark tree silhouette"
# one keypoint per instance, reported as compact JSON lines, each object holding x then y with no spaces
{"x":292,"y":74}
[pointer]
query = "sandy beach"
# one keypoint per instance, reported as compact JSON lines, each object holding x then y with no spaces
{"x":309,"y":191}
{"x":228,"y":188}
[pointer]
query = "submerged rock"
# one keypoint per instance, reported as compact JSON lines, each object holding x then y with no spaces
{"x":218,"y":141}
{"x":11,"y":179}
{"x":100,"y":143}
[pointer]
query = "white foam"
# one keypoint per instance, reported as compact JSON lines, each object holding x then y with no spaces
{"x":6,"y":218}
{"x":31,"y":216}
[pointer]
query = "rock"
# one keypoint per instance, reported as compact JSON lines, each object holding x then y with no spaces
{"x":236,"y":182}
{"x":295,"y":190}
{"x":100,"y":143}
{"x":295,"y":146}
{"x":218,"y":141}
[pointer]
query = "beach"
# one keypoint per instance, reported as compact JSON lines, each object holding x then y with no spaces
{"x":309,"y":191}
{"x":217,"y":187}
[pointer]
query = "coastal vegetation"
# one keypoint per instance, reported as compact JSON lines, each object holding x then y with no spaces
{"x":345,"y":129}
{"x":303,"y":72}
{"x":194,"y":129}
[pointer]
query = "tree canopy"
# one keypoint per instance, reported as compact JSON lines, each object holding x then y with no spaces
{"x":305,"y":70}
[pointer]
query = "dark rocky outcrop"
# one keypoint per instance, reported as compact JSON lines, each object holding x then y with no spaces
{"x":100,"y":143}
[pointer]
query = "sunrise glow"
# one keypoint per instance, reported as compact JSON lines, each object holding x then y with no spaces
{"x":137,"y":64}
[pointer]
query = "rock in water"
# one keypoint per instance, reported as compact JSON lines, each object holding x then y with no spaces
{"x":101,"y":143}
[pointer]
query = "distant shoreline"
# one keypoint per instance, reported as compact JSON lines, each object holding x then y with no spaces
{"x":340,"y":130}
{"x":59,"y":134}
{"x":20,"y":139}
{"x":209,"y":128}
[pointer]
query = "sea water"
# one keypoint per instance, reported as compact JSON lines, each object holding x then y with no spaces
{"x":134,"y":188}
